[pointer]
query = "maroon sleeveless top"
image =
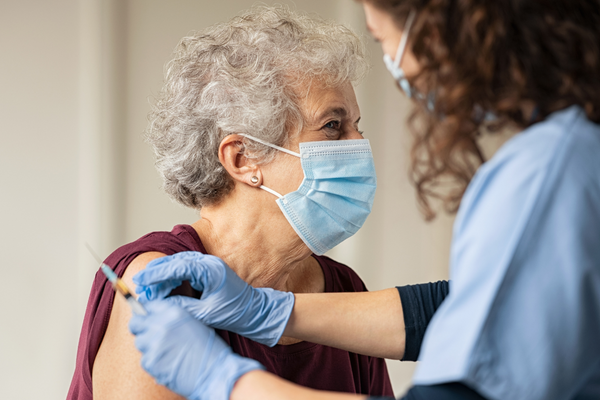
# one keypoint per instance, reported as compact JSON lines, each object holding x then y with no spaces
{"x":307,"y":364}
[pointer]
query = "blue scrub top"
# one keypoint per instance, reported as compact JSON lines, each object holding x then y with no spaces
{"x":522,"y":320}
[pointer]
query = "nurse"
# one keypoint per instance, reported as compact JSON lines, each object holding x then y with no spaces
{"x":522,"y":320}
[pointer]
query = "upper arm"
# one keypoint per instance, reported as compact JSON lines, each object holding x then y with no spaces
{"x":117,"y":372}
{"x":419,"y":304}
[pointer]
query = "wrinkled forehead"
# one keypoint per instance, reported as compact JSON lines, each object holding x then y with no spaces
{"x":318,"y":99}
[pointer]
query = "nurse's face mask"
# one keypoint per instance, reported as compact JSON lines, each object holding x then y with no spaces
{"x":394,"y":65}
{"x":336,"y":194}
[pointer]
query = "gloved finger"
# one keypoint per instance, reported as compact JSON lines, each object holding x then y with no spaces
{"x":184,"y":255}
{"x":138,"y":324}
{"x":174,"y":269}
{"x":162,"y":316}
{"x":151,"y":287}
{"x":160,"y":308}
{"x":157,"y":290}
{"x":141,"y":323}
{"x":143,"y":341}
{"x":153,"y":351}
{"x":189,"y":304}
{"x":188,"y":254}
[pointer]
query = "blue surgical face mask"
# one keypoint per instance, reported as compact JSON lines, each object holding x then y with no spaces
{"x":394,"y":65}
{"x":398,"y":73}
{"x":335,"y":196}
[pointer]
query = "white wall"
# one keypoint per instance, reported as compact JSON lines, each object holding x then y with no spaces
{"x":75,"y":77}
{"x":39,"y":196}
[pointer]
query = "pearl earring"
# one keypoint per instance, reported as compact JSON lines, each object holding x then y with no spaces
{"x":254,"y":179}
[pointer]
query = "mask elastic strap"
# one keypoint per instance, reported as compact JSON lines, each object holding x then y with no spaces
{"x":263,"y":187}
{"x":404,"y":39}
{"x":293,"y":153}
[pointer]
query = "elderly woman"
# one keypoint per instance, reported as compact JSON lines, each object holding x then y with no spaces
{"x":257,"y":127}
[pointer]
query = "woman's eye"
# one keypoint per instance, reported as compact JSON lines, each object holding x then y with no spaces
{"x":332,"y":125}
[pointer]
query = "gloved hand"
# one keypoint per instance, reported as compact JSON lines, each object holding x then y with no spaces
{"x":186,"y":356}
{"x":227,"y":302}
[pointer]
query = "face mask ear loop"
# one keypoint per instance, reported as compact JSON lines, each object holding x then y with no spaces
{"x":263,"y":187}
{"x":293,"y":153}
{"x":404,"y":39}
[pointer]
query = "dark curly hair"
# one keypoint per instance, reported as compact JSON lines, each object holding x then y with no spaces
{"x":495,"y":56}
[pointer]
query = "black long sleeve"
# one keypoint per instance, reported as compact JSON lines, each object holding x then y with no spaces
{"x":419,"y":303}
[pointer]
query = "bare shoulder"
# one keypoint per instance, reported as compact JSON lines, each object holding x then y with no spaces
{"x":139,"y":263}
{"x":117,"y":373}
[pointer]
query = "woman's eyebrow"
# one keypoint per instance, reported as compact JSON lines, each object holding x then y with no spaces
{"x":340,"y":112}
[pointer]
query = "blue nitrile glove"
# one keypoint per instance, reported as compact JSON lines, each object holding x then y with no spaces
{"x":186,"y":356}
{"x":227,"y":302}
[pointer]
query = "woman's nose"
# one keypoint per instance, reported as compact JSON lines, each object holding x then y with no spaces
{"x":353,"y":134}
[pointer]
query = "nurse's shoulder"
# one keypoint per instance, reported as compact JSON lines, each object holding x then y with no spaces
{"x":566,"y":138}
{"x":582,"y":141}
{"x":562,"y":149}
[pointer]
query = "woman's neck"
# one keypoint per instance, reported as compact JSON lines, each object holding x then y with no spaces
{"x":259,"y":246}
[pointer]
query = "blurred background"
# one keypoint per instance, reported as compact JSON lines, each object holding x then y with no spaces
{"x":75,"y":83}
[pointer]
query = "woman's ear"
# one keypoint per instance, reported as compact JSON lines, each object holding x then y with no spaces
{"x":235,"y":162}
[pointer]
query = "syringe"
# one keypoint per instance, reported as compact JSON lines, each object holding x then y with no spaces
{"x":119,"y":285}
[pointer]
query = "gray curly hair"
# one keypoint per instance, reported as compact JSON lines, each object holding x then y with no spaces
{"x":242,"y":76}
